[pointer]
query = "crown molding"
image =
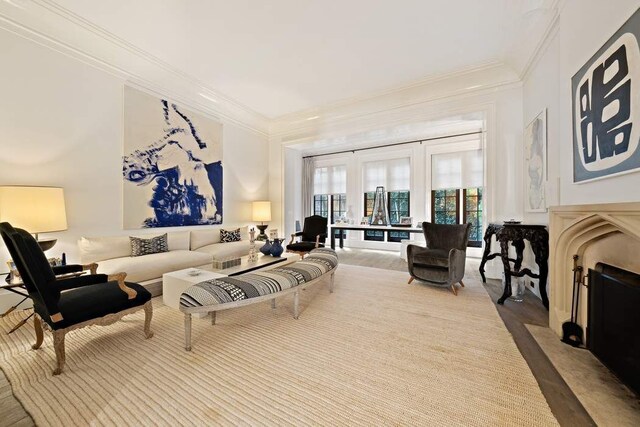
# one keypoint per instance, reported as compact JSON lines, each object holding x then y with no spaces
{"x":48,"y":24}
{"x":409,"y":101}
{"x":543,"y":44}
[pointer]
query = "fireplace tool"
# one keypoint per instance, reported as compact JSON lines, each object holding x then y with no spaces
{"x":572,"y":333}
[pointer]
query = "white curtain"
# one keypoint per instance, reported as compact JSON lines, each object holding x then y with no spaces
{"x":462,"y":169}
{"x":330,"y":180}
{"x":308,"y":170}
{"x":393,"y":175}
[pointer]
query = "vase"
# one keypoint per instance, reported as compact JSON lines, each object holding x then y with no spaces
{"x":266,"y":248}
{"x":276,"y":248}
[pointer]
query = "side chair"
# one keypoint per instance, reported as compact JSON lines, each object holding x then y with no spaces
{"x":72,"y":303}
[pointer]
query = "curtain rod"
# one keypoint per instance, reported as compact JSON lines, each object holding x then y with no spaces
{"x":396,"y":143}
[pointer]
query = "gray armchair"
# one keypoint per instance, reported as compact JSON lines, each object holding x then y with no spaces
{"x":442,"y":261}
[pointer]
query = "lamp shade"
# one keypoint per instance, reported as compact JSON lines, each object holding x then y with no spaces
{"x":262,"y":211}
{"x":35,"y":209}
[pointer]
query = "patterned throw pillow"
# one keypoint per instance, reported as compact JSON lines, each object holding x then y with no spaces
{"x":229,"y":236}
{"x":154,"y":245}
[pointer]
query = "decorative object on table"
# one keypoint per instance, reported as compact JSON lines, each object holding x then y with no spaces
{"x":253,"y":255}
{"x":194,"y":272}
{"x":273,"y":233}
{"x":512,"y":222}
{"x":516,"y":234}
{"x":35,"y":209}
{"x":313,"y":235}
{"x":535,"y":164}
{"x":572,"y":333}
{"x":172,"y":167}
{"x":228,"y":236}
{"x":221,"y":264}
{"x":606,"y":108}
{"x":261,"y":212}
{"x":442,"y":261}
{"x":266,"y":248}
{"x":276,"y":248}
{"x":406,"y":220}
{"x":380,"y":215}
{"x":364,"y":220}
{"x":76,"y":307}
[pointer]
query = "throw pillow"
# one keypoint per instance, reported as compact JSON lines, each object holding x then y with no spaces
{"x":227,"y":236}
{"x":154,"y":245}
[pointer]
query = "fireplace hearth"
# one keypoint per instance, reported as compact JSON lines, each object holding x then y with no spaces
{"x":613,"y":328}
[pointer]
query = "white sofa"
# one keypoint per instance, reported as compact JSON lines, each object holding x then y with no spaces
{"x":187,"y":249}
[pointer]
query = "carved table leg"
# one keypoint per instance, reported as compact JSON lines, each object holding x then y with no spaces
{"x":519,"y":246}
{"x":148,"y":315}
{"x":187,"y":332}
{"x":333,"y":238}
{"x":504,"y":255}
{"x":540,"y":248}
{"x":58,"y":345}
{"x":485,"y":255}
{"x":37,"y":325}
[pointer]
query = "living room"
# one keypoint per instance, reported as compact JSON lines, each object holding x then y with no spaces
{"x":291,"y":110}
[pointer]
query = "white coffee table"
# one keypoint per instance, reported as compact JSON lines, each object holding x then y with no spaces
{"x":176,"y":282}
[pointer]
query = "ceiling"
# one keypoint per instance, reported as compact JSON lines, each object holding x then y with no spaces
{"x":282,"y":56}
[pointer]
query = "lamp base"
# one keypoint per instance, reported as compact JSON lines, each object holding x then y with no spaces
{"x":261,"y":236}
{"x":45,"y":245}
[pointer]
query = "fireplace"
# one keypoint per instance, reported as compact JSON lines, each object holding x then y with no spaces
{"x":613,"y":328}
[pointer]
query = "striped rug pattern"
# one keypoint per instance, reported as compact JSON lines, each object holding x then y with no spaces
{"x":375,"y":352}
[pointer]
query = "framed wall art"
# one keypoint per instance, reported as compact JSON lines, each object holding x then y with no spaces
{"x":606,"y":108}
{"x":172,"y":167}
{"x":535,"y":163}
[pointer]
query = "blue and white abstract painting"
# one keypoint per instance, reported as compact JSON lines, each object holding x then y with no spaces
{"x":172,"y":164}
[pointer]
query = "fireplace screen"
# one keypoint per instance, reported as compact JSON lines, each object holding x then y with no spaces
{"x":613,"y":327}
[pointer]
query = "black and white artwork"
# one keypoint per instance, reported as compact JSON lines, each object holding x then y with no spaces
{"x":606,"y":108}
{"x":172,"y":164}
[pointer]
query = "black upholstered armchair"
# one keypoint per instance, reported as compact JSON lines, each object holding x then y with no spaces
{"x":64,"y":305}
{"x":313,"y":235}
{"x":442,"y":261}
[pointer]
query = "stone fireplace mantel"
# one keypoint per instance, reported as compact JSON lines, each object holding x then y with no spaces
{"x":572,"y":230}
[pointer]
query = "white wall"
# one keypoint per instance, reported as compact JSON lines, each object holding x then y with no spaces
{"x":582,"y":28}
{"x":62,"y":125}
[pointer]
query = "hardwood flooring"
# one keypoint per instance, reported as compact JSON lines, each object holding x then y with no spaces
{"x":564,"y":405}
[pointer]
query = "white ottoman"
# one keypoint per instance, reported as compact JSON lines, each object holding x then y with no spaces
{"x":403,"y":247}
{"x":176,"y":282}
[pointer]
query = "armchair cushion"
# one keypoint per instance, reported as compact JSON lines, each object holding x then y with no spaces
{"x":303,"y":246}
{"x":92,"y":302}
{"x":431,"y":258}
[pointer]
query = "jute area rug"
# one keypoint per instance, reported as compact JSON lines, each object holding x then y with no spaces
{"x":375,"y":352}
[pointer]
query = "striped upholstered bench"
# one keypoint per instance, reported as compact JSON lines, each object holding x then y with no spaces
{"x":223,"y":293}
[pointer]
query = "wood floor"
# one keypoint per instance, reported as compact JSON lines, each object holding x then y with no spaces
{"x":564,"y":405}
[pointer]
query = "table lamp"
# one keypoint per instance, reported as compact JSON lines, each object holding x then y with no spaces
{"x":35,"y":209}
{"x":262,"y":213}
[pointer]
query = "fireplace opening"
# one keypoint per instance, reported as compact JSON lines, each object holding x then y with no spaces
{"x":613,"y":326}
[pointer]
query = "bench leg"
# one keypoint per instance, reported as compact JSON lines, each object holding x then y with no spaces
{"x":296,"y":302}
{"x":213,"y":317}
{"x":187,"y":332}
{"x":273,"y":303}
{"x":331,"y":283}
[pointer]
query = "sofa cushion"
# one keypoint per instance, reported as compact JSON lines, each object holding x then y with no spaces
{"x":96,"y":249}
{"x":432,"y":258}
{"x":228,"y":236}
{"x":147,"y":267}
{"x":154,"y":245}
{"x":221,"y":251}
{"x":202,"y":238}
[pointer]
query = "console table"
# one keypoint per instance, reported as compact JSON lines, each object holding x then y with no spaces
{"x":516,"y":234}
{"x":353,"y":227}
